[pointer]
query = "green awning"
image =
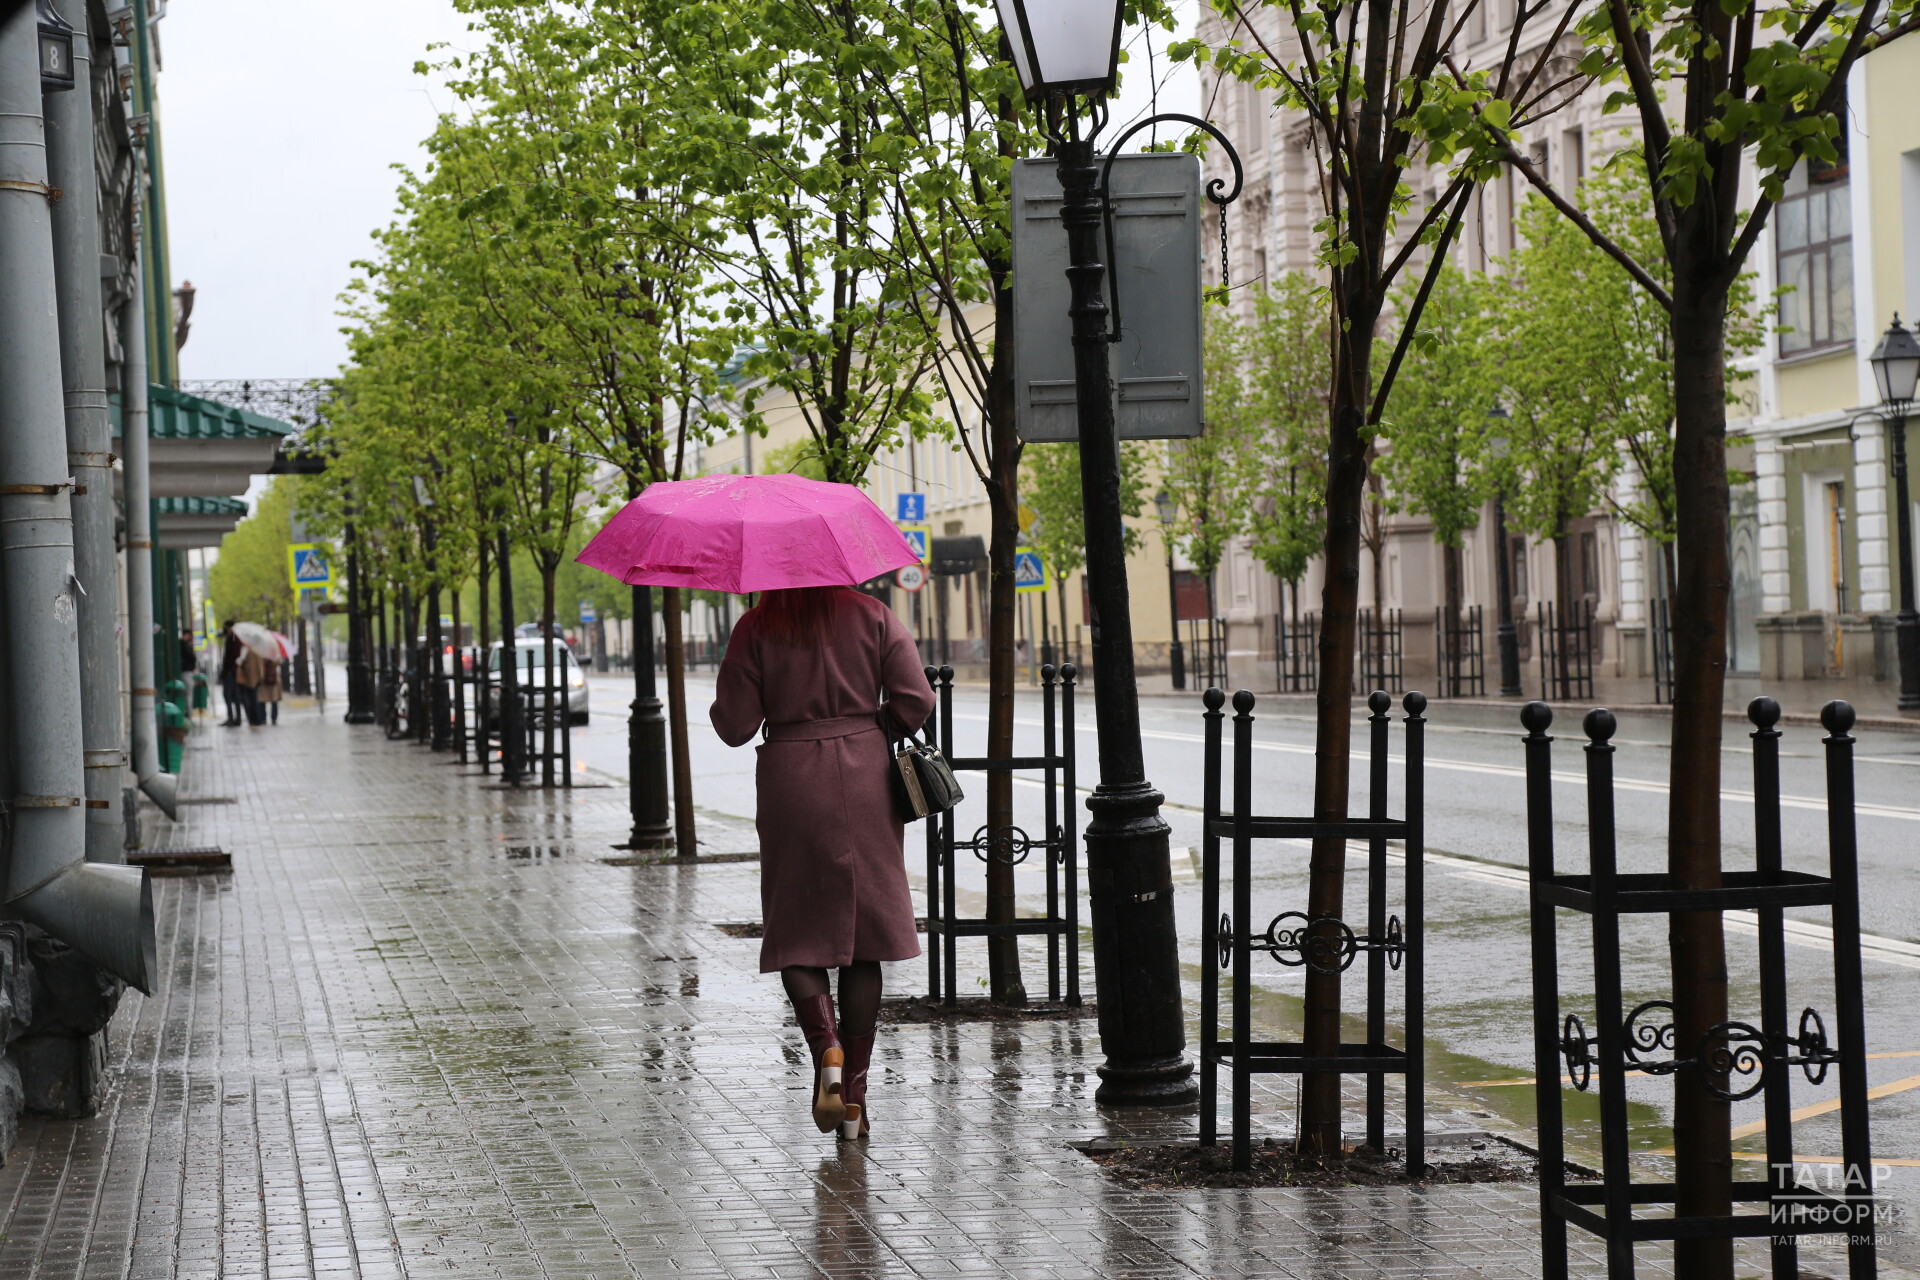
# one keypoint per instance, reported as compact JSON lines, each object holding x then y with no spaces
{"x":175,"y":415}
{"x":202,"y":506}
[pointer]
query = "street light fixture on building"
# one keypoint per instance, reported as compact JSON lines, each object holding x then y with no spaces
{"x":1896,"y":370}
{"x":1169,"y":511}
{"x":56,"y":50}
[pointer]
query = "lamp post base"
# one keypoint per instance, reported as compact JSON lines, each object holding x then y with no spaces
{"x":1177,"y":659}
{"x":1906,"y":637}
{"x":1136,"y":951}
{"x":1509,"y":642}
{"x":647,"y":777}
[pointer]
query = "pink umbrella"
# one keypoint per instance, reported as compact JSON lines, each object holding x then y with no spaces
{"x":748,"y":533}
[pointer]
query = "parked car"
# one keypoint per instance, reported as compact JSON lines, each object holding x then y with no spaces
{"x":578,"y":693}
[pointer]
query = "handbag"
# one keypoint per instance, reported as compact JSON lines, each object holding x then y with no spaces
{"x":923,"y":779}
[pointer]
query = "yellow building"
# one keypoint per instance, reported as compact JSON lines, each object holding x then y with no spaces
{"x":1814,"y":557}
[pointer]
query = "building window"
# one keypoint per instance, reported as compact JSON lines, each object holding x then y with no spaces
{"x":1813,"y":229}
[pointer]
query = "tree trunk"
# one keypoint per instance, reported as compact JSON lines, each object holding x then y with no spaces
{"x":1333,"y":699}
{"x":684,"y":835}
{"x":1697,"y":939}
{"x":1003,"y":954}
{"x":550,"y":692}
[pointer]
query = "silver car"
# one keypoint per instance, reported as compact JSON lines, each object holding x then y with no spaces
{"x":578,"y":693}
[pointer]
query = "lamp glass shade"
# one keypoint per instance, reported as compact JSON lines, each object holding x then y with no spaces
{"x":1896,"y":364}
{"x":1163,"y":503}
{"x":1063,"y":47}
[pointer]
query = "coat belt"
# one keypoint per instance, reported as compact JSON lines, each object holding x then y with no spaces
{"x":814,"y":730}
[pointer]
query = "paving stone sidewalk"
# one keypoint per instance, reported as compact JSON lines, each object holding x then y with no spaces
{"x":422,"y":1029}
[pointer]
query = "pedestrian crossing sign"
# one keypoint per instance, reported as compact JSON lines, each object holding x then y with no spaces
{"x":920,"y":538}
{"x":309,"y":565}
{"x":1029,"y":572}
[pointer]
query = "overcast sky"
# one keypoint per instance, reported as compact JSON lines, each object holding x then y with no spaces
{"x":282,"y":121}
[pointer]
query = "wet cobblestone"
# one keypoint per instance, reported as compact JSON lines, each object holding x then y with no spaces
{"x":422,"y":1030}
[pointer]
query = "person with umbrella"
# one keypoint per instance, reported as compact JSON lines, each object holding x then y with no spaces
{"x":806,"y":669}
{"x":230,"y":652}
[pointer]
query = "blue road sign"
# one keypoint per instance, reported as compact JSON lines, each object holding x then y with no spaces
{"x":911,"y":508}
{"x":1029,"y":571}
{"x":309,"y":567}
{"x":919,"y":537}
{"x":587,"y":613}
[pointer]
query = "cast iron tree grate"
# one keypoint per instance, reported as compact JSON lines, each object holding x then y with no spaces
{"x":1325,"y":944}
{"x":1733,"y":1060}
{"x":1057,"y":848}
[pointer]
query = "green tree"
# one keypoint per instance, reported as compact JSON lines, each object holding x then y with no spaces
{"x":1280,"y":358}
{"x":1712,"y":83}
{"x":248,"y":582}
{"x":1436,"y":426}
{"x":1379,"y":85}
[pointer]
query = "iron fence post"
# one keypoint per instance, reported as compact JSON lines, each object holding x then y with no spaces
{"x":1210,"y":933}
{"x":1377,"y":705}
{"x":1242,"y":930}
{"x":1414,"y":934}
{"x":1778,"y":1097}
{"x":1536,"y":717}
{"x":1837,"y":718}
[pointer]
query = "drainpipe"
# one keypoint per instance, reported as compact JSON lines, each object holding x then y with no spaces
{"x":103,"y":911}
{"x":160,"y":787}
{"x":83,"y":366}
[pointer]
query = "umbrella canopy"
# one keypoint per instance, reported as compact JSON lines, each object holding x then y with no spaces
{"x":268,"y":644}
{"x":748,"y":533}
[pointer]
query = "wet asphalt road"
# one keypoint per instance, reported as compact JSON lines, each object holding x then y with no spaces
{"x":1478,"y":957}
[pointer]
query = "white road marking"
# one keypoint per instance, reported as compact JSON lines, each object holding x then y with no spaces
{"x":1567,"y":777}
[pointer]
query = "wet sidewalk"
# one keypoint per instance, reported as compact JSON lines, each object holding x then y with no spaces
{"x":423,"y":1029}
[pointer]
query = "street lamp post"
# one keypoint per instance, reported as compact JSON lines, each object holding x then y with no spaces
{"x":1896,"y":369}
{"x":1167,"y":509}
{"x":1508,"y":638}
{"x":1129,"y":878}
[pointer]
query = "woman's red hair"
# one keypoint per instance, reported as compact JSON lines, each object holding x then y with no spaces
{"x":799,"y":616}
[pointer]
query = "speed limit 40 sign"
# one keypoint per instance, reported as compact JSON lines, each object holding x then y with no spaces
{"x":911,"y":578}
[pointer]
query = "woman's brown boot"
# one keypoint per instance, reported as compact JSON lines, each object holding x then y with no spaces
{"x":859,"y":1051}
{"x":816,"y":1022}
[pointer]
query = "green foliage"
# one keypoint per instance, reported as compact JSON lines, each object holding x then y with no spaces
{"x":1267,"y":395}
{"x":800,"y":458}
{"x":248,"y":582}
{"x":1438,"y":462}
{"x":1050,"y":487}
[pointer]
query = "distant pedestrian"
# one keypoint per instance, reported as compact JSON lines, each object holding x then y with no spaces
{"x":808,"y":664}
{"x":231,"y":651}
{"x":253,"y":670}
{"x":268,"y":691}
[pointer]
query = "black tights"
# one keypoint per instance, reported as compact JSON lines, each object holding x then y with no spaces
{"x":859,"y":992}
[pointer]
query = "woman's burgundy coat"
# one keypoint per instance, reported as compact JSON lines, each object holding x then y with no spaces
{"x":833,"y":876}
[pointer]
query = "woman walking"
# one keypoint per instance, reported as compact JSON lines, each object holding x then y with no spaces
{"x":269,"y":690}
{"x":809,"y":664}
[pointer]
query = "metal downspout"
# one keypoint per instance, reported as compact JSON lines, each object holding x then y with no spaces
{"x":137,"y":483}
{"x":103,"y":911}
{"x":83,"y":367}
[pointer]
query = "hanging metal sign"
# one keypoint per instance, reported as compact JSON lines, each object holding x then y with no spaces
{"x":1157,"y":252}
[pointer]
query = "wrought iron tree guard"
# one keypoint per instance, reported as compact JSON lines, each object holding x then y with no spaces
{"x":1380,"y":649}
{"x":1735,"y":1059}
{"x":1566,"y":650}
{"x":1295,"y":653}
{"x":1459,"y":653}
{"x":1325,"y":945}
{"x":1010,"y":845}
